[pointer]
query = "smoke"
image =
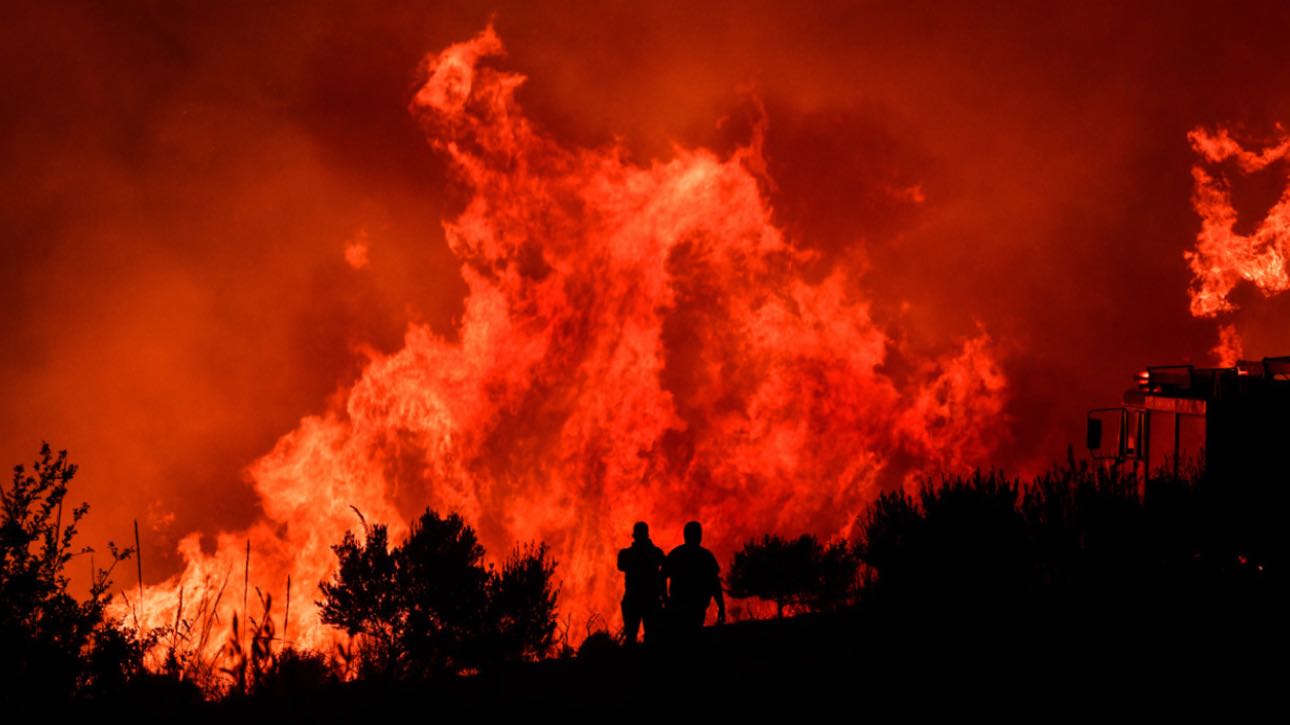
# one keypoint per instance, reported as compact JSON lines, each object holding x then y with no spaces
{"x":184,"y":181}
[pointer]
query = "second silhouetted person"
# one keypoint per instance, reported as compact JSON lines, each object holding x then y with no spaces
{"x":694,"y":579}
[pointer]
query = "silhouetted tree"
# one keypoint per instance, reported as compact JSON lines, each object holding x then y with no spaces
{"x":431,"y":605}
{"x":444,"y":590}
{"x":365,"y":600}
{"x":837,"y":579}
{"x":53,"y":646}
{"x":801,"y":572}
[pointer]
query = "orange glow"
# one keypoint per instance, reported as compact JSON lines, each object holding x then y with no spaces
{"x":638,"y":341}
{"x":356,"y":250}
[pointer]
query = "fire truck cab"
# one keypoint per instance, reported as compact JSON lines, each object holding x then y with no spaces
{"x":1184,"y":420}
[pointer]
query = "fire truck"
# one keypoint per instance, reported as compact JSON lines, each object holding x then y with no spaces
{"x":1229,"y":422}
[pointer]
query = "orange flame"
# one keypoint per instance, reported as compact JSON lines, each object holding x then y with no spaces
{"x":1230,"y":349}
{"x":638,"y":343}
{"x":1222,"y":257}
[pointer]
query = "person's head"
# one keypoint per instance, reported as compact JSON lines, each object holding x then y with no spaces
{"x":640,"y":532}
{"x":693,"y":533}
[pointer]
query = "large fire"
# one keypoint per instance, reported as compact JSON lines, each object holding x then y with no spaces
{"x":639,"y":342}
{"x":1223,"y":257}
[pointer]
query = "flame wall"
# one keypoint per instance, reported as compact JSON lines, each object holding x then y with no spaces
{"x":222,"y":219}
{"x":638,"y":342}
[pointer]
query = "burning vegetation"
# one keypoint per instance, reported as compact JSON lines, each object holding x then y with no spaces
{"x":639,"y":342}
{"x":656,"y":340}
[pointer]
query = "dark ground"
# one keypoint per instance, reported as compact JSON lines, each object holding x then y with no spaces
{"x":1027,"y":664}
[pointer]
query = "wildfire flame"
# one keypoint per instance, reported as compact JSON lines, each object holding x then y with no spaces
{"x":1230,"y":349}
{"x":638,"y":343}
{"x":1222,"y":257}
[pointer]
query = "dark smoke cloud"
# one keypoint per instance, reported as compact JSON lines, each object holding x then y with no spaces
{"x":181,"y":181}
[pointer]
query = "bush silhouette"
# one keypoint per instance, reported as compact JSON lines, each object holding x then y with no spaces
{"x":801,"y":572}
{"x":1078,"y":538}
{"x":54,"y":646}
{"x":962,"y":541}
{"x":521,"y":607}
{"x":430,"y":606}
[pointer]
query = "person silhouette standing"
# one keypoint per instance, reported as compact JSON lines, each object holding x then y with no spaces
{"x":642,"y":562}
{"x":694,"y":579}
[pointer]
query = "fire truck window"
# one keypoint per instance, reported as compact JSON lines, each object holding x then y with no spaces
{"x":1094,"y":436}
{"x":1107,"y":424}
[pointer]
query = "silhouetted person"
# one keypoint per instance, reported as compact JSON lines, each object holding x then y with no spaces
{"x":642,"y":562}
{"x":695,"y":579}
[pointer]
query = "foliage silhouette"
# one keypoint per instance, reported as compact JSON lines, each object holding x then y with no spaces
{"x":800,"y":573}
{"x":1080,"y":539}
{"x":364,"y":600}
{"x":430,"y":606}
{"x":1079,"y":554}
{"x":262,"y":672}
{"x":185,"y":660}
{"x":54,"y":646}
{"x":963,"y":542}
{"x":247,"y":668}
{"x":521,"y":606}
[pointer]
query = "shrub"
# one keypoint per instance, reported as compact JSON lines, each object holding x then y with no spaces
{"x":801,"y":572}
{"x":54,"y":646}
{"x":430,"y":605}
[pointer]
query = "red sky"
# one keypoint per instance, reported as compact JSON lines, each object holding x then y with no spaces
{"x":182,"y":180}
